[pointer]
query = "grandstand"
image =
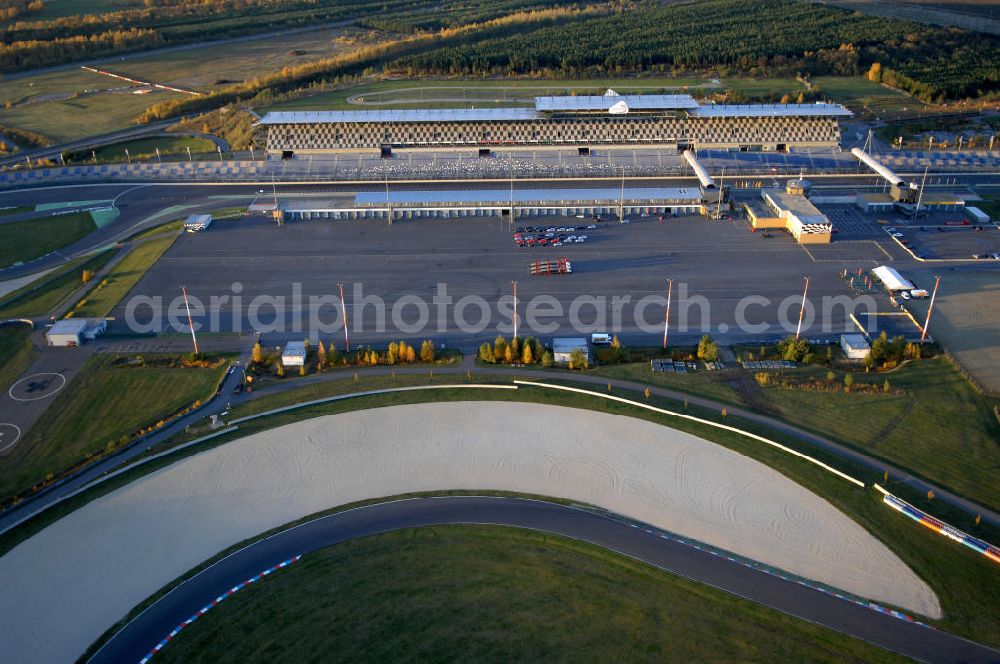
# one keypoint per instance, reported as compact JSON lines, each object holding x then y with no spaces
{"x":677,"y":122}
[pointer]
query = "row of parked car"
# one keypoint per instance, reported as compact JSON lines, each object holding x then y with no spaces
{"x":553,"y":236}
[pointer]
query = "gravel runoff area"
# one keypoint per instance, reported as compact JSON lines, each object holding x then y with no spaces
{"x":66,"y":585}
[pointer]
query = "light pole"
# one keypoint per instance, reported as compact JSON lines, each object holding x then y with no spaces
{"x":802,"y":310}
{"x":514,"y":283}
{"x":343,"y":309}
{"x":194,"y":339}
{"x":930,"y":308}
{"x":666,"y":317}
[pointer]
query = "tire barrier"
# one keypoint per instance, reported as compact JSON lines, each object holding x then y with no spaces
{"x":991,"y":552}
{"x":214,"y":603}
{"x":716,"y":425}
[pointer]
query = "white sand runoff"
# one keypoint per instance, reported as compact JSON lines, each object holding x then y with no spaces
{"x":63,"y":587}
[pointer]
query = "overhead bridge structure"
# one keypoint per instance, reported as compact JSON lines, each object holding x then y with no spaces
{"x":900,"y":190}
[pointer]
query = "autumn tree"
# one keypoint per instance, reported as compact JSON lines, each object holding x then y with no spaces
{"x":321,"y":354}
{"x":708,"y":350}
{"x":547,"y":360}
{"x":427,"y":351}
{"x":486,"y":354}
{"x":257,"y":354}
{"x":527,"y":356}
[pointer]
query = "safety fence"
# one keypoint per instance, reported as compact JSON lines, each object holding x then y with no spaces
{"x":700,"y":420}
{"x":938,"y":526}
{"x":214,"y":603}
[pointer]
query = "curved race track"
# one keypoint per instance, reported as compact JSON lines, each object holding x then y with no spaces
{"x":67,"y":584}
{"x":137,"y":638}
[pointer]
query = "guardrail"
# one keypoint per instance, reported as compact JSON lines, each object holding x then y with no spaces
{"x":725,"y":427}
{"x":924,"y":519}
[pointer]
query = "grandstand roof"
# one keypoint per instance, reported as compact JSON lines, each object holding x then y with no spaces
{"x":567,"y":195}
{"x":605,"y":102}
{"x":770,"y":110}
{"x":409,"y":115}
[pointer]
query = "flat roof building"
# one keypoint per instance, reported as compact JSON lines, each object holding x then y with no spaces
{"x":413,"y":204}
{"x":197,"y":222}
{"x":675,"y":121}
{"x":802,"y":219}
{"x":294,"y":354}
{"x":71,"y":332}
{"x":855,"y":346}
{"x":563,"y":347}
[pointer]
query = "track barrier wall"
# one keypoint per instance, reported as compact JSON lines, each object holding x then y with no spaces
{"x":991,"y":552}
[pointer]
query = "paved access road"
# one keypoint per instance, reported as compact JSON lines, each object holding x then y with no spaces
{"x":924,"y":643}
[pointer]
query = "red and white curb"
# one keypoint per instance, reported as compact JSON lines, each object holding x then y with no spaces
{"x":214,"y":603}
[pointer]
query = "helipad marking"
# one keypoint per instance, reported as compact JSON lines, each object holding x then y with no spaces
{"x":34,"y":386}
{"x":6,"y":441}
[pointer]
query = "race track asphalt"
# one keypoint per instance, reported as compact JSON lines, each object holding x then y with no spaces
{"x":137,"y":638}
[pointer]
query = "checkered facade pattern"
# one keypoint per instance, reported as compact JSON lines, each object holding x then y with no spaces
{"x":748,"y":133}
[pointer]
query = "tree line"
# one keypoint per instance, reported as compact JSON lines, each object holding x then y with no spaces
{"x":73,"y":38}
{"x":783,"y":37}
{"x":12,"y":9}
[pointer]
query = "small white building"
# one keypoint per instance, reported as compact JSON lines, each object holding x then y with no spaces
{"x":197,"y":222}
{"x":891,"y":279}
{"x":71,"y":332}
{"x":294,"y":354}
{"x":563,"y":347}
{"x":976,"y":215}
{"x":855,"y":346}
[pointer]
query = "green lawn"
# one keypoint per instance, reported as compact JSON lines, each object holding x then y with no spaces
{"x":940,"y":428}
{"x":72,"y":103}
{"x":868,"y":97}
{"x":14,"y":209}
{"x":144,"y":149}
{"x":41,"y":297}
{"x":100,"y":405}
{"x":122,"y":277}
{"x":479,"y":92}
{"x":16,"y":353}
{"x":30,"y":238}
{"x":764,"y":87}
{"x":495,"y":594}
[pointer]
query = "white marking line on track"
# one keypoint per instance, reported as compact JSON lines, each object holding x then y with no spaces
{"x":48,"y":393}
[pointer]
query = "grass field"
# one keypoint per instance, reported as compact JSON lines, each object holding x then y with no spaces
{"x":16,"y":353}
{"x":102,"y":404}
{"x":31,"y":238}
{"x":15,"y":209}
{"x":72,"y":103}
{"x":41,"y":297}
{"x":494,"y":594}
{"x":939,"y":428}
{"x":120,"y":280}
{"x":210,"y":67}
{"x":867,"y":97}
{"x":477,"y":92}
{"x":144,"y":149}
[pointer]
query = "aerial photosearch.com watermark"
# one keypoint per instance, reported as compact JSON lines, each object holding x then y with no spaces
{"x":315,"y":316}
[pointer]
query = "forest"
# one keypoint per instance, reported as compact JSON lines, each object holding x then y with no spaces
{"x":735,"y":37}
{"x":31,"y":44}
